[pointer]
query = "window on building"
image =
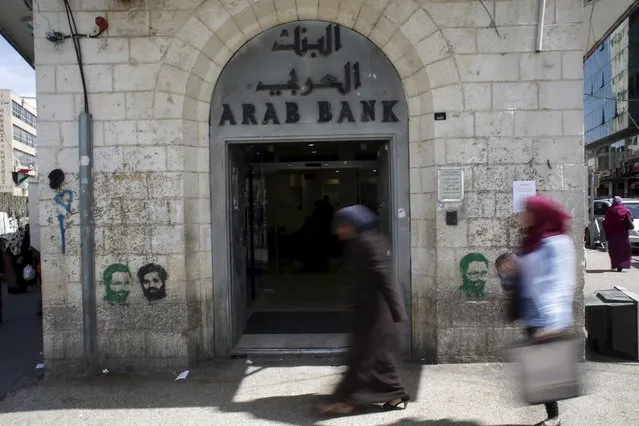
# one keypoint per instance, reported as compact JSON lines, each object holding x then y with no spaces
{"x":22,"y":159}
{"x":603,"y":159}
{"x":21,"y":113}
{"x":24,"y":137}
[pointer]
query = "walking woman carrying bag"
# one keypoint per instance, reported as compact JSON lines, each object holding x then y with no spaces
{"x":547,"y":265}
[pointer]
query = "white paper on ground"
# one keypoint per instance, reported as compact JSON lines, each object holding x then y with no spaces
{"x":182,"y":375}
{"x":39,"y":366}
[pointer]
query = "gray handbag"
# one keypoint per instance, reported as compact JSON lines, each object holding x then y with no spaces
{"x":548,"y":370}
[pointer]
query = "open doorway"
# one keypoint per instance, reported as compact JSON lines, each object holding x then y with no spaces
{"x":287,"y":265}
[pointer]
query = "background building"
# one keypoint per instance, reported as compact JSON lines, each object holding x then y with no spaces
{"x":611,"y":95}
{"x":18,"y":146}
{"x":429,"y":110}
{"x":18,"y":141}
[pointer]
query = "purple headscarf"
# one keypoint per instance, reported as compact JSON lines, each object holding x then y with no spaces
{"x":616,"y":201}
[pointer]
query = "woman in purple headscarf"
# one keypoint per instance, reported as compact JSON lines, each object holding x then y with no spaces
{"x":372,"y":376}
{"x":617,"y":222}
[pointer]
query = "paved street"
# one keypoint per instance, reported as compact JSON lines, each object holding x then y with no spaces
{"x":599,"y":276}
{"x":277,"y":391}
{"x":20,"y":339}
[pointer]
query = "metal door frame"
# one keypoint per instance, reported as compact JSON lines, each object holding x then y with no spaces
{"x":399,"y":186}
{"x":314,"y":165}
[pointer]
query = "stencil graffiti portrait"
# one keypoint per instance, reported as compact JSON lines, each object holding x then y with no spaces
{"x":117,"y":284}
{"x":153,"y":278}
{"x":474,"y":270}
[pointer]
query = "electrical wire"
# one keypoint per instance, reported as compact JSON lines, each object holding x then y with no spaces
{"x":632,"y":119}
{"x":78,"y":52}
{"x":492,"y":21}
{"x":611,"y":99}
{"x":590,"y":22}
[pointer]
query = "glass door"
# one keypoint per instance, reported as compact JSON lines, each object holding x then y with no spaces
{"x":238,"y":236}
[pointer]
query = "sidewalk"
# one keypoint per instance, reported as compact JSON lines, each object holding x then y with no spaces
{"x":273,"y":391}
{"x":20,"y":339}
{"x":284,"y":392}
{"x":599,"y":276}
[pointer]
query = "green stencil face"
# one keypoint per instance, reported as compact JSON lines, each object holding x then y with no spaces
{"x":474,"y":272}
{"x":117,"y":283}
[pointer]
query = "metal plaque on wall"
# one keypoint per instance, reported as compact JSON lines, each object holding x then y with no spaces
{"x":450,"y":184}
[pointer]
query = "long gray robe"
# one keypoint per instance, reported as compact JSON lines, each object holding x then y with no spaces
{"x":372,"y":375}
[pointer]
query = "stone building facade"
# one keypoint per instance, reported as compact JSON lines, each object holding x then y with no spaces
{"x":18,"y":142}
{"x":511,"y":114}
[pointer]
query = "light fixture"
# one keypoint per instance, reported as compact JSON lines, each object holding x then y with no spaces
{"x":311,"y":144}
{"x":314,"y":152}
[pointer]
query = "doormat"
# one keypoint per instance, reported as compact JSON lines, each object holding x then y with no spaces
{"x":298,"y":323}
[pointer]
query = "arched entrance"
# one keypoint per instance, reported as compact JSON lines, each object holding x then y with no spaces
{"x":305,"y":115}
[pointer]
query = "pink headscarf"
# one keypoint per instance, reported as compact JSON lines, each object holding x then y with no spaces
{"x":548,"y":219}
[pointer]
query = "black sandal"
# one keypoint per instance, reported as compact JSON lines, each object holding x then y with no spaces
{"x":396,"y":403}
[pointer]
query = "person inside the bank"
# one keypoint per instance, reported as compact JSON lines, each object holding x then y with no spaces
{"x":547,"y":270}
{"x":372,"y":376}
{"x":617,"y":222}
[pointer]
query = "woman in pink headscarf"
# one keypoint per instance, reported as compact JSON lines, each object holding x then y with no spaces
{"x":616,"y":224}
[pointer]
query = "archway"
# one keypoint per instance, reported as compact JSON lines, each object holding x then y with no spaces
{"x":289,"y":94}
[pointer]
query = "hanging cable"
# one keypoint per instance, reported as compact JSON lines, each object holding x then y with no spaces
{"x":78,"y":52}
{"x":606,"y":98}
{"x":492,"y":21}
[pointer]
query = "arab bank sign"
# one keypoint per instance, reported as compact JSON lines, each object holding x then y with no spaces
{"x":308,"y":72}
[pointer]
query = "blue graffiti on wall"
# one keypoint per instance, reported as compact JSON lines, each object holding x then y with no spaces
{"x":64,"y":200}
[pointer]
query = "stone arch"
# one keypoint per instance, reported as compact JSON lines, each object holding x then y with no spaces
{"x":408,"y":36}
{"x":410,"y":39}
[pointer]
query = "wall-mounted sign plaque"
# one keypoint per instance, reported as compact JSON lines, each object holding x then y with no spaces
{"x":450,"y":184}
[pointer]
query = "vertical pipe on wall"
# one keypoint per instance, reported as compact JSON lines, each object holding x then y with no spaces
{"x":540,"y":25}
{"x":87,"y":262}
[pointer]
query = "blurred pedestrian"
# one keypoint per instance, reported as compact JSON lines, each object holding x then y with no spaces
{"x":372,"y":376}
{"x":16,"y":257}
{"x":548,"y":274}
{"x":507,"y":266}
{"x":617,"y":222}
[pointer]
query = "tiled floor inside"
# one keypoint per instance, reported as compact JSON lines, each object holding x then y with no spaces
{"x":298,"y":293}
{"x":302,"y":292}
{"x":250,"y":343}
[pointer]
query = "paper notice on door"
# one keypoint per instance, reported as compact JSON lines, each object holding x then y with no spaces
{"x":522,"y":189}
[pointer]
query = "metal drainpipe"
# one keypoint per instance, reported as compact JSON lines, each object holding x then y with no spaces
{"x":87,"y":255}
{"x":540,"y":25}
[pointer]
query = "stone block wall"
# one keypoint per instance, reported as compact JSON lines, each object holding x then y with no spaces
{"x":512,"y":114}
